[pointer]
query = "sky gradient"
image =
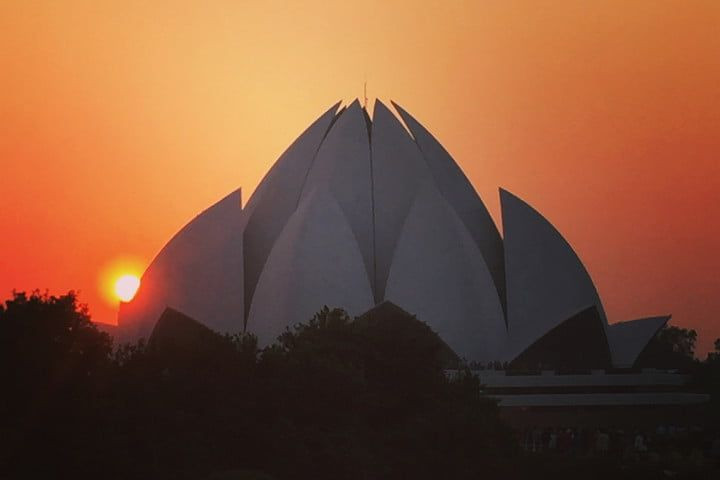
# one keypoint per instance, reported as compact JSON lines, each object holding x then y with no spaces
{"x":120,"y":121}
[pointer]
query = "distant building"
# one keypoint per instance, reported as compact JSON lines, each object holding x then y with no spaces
{"x":555,"y":392}
{"x":360,"y":211}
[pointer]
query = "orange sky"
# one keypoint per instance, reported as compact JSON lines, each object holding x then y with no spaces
{"x":119,"y":121}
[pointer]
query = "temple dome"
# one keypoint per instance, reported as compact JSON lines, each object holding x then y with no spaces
{"x":359,"y":211}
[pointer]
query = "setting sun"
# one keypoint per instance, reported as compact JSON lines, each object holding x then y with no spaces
{"x":126,"y":286}
{"x":119,"y":279}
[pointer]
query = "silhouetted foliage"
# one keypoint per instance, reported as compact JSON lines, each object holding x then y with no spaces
{"x":715,"y":355}
{"x":47,"y":345}
{"x":51,"y":360}
{"x":672,"y":348}
{"x":334,"y":397}
{"x":707,"y":380}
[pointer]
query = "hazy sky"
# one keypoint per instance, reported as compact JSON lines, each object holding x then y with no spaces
{"x":119,"y":121}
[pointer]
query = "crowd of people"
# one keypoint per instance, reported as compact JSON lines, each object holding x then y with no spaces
{"x":664,"y":442}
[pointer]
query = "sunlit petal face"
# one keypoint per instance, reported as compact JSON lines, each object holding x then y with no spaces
{"x":126,"y":286}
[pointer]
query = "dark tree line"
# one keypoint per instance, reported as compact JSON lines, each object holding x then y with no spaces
{"x":332,"y":398}
{"x":672,"y":348}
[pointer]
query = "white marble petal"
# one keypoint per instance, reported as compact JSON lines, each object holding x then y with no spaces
{"x":461,"y":195}
{"x":198,"y":272}
{"x":315,"y":262}
{"x":277,"y":197}
{"x":546,"y":281}
{"x":342,"y":167}
{"x":439,"y":275}
{"x":398,"y":170}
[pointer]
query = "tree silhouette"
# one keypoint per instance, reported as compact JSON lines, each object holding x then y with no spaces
{"x":47,"y":343}
{"x":51,"y":359}
{"x":672,"y":348}
{"x":334,"y":397}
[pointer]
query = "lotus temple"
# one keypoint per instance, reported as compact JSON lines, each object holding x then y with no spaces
{"x":359,"y":211}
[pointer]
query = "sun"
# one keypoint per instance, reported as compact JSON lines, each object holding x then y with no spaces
{"x":126,"y":286}
{"x":119,"y":279}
